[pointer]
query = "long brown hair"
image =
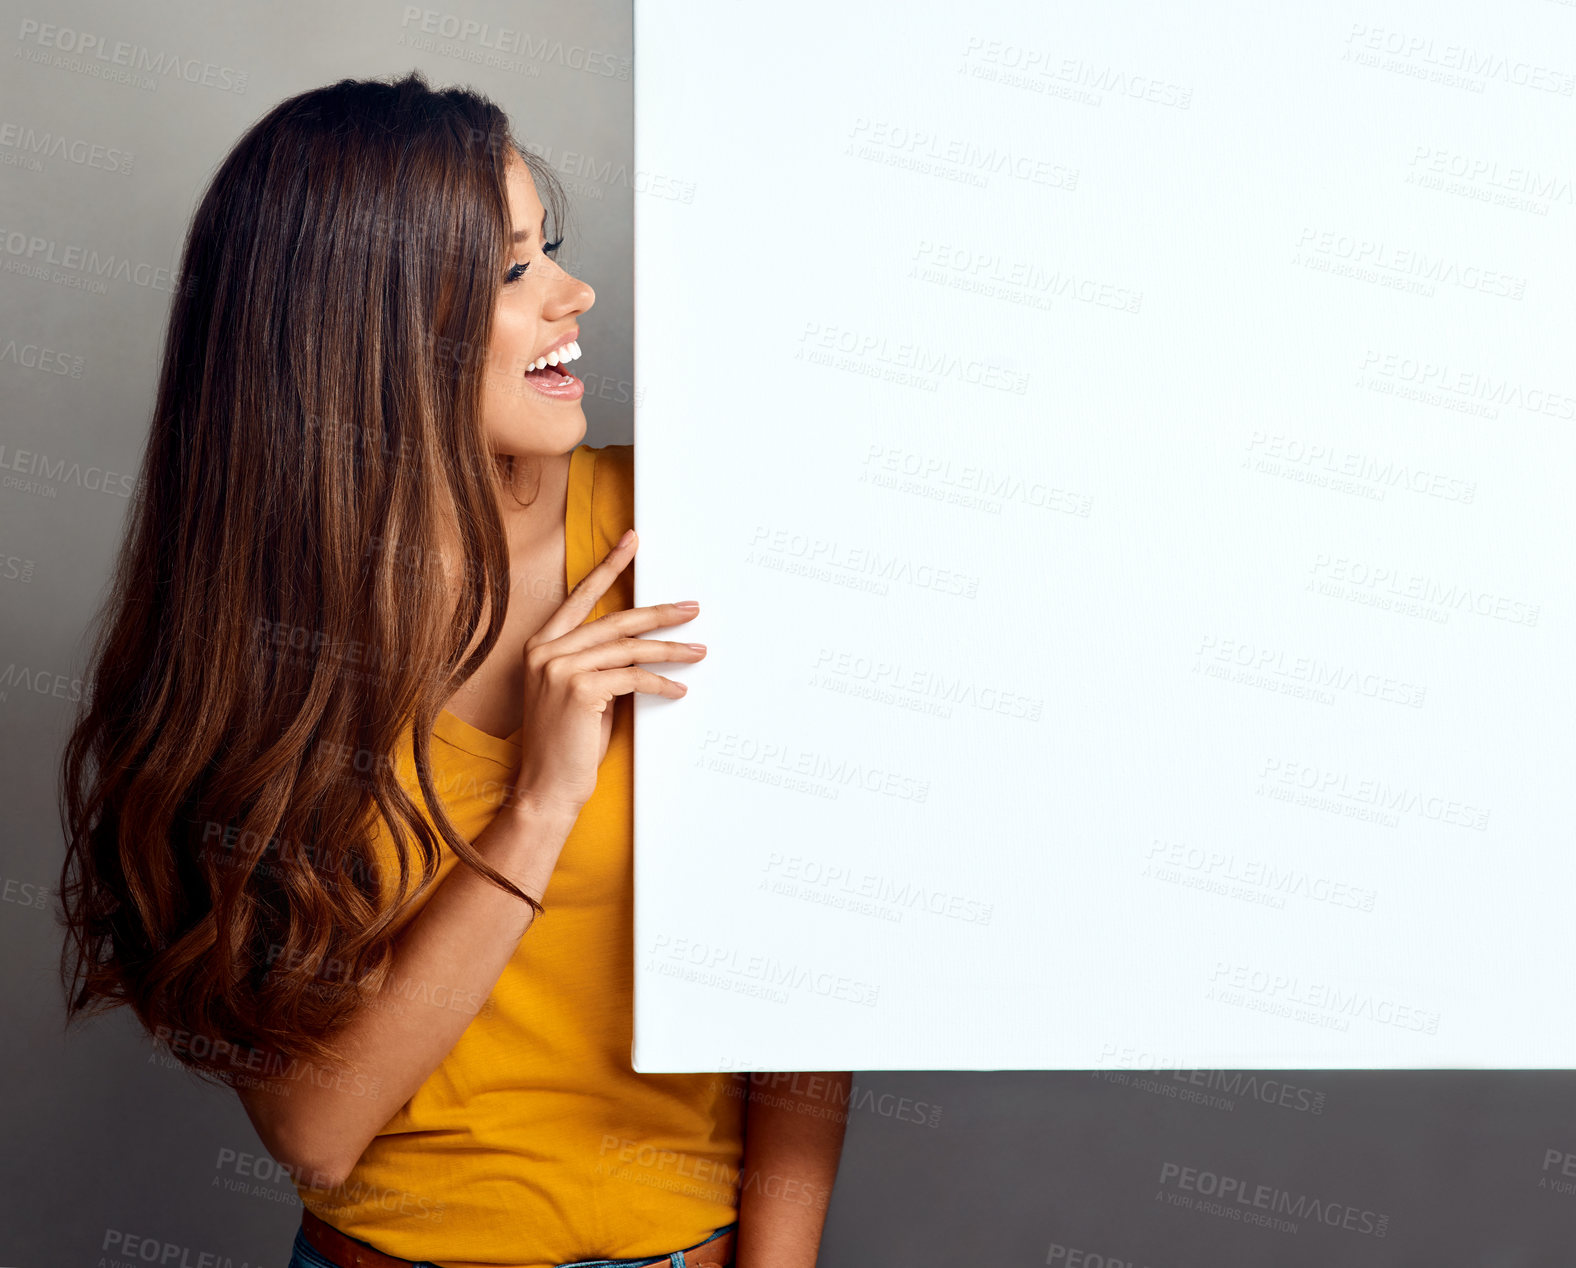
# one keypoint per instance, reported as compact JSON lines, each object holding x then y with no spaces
{"x":270,"y":629}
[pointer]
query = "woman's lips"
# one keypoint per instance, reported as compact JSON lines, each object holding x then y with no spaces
{"x":556,"y":382}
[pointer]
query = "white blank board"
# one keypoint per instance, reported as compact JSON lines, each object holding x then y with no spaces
{"x":1124,"y":454}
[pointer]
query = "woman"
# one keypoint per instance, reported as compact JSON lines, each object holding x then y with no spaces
{"x":349,"y":733}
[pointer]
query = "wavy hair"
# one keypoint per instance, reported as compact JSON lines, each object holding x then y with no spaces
{"x":316,"y":442}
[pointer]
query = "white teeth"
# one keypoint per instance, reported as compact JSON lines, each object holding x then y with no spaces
{"x":569,"y":352}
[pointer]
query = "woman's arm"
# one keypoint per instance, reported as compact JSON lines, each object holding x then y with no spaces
{"x":318,"y":1122}
{"x":793,"y":1139}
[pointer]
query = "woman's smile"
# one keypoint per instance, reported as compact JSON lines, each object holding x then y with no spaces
{"x":548,"y":375}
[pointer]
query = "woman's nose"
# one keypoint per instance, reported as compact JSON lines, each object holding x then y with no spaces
{"x":581,"y":294}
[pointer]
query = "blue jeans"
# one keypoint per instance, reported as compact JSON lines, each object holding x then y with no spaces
{"x":304,"y":1255}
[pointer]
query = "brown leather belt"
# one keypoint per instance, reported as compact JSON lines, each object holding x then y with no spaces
{"x":344,"y":1250}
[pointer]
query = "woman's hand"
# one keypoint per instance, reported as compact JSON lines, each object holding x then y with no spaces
{"x":574,"y":669}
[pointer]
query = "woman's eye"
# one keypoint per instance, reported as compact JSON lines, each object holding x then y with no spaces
{"x":517,"y":271}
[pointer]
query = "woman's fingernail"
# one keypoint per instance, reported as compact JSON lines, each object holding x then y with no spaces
{"x":689,"y":605}
{"x":628,"y":537}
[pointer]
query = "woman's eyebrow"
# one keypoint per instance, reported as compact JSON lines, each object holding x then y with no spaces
{"x":520,"y":235}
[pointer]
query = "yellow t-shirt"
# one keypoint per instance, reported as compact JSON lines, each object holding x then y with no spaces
{"x":534,"y":1142}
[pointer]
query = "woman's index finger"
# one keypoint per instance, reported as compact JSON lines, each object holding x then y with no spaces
{"x":589,"y":590}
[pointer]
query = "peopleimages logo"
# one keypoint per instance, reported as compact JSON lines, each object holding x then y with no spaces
{"x":1452,"y":62}
{"x":99,"y":56}
{"x":1426,"y":376}
{"x":1265,"y":1197}
{"x":1372,"y":259}
{"x":721,"y":962}
{"x":35,"y":256}
{"x":41,"y":474}
{"x":30,"y":143}
{"x":483,"y":36}
{"x":139,"y":1249}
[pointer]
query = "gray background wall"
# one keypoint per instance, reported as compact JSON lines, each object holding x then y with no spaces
{"x":107,"y":1142}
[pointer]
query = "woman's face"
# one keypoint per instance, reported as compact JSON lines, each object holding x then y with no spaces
{"x":539,"y":305}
